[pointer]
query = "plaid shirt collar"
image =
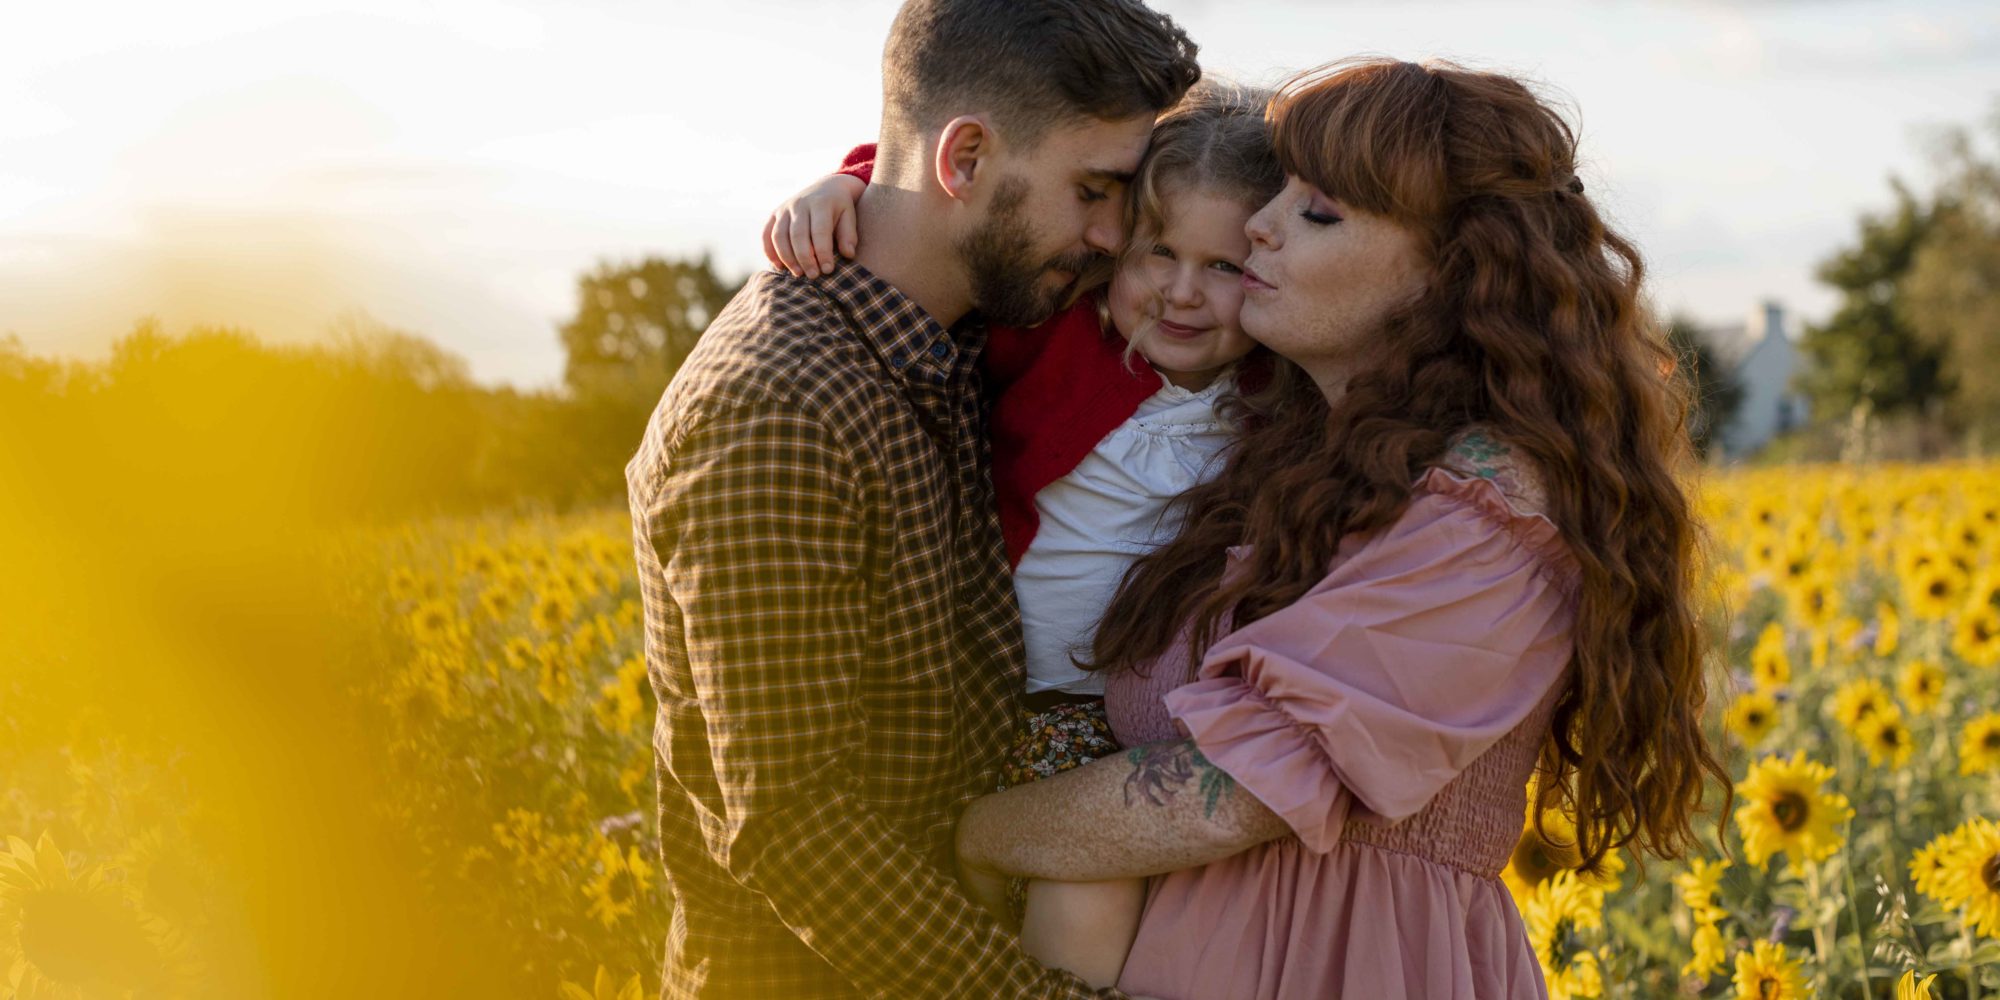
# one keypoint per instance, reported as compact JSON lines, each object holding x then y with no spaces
{"x":901,"y":332}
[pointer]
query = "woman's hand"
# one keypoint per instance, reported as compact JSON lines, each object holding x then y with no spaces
{"x":802,"y":235}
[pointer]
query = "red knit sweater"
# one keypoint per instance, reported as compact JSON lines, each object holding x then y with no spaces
{"x":1062,"y":386}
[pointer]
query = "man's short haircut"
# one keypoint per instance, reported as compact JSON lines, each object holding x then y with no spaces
{"x":1031,"y":64}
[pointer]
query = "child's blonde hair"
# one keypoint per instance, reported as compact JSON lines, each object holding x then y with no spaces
{"x":1215,"y":140}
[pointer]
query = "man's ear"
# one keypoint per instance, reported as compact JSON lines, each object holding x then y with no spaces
{"x":964,"y":150}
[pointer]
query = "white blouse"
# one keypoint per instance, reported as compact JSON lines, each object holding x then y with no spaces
{"x":1109,"y":510}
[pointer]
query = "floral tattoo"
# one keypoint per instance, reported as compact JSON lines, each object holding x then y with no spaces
{"x":1160,"y":772}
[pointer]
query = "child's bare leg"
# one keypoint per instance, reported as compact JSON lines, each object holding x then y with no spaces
{"x":1085,"y":927}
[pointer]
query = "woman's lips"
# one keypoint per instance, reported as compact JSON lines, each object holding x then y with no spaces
{"x":1180,"y":331}
{"x":1252,"y":283}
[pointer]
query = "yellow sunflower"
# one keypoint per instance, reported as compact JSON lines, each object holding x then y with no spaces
{"x":1785,"y":810}
{"x":1979,"y":745}
{"x":434,"y":624}
{"x":1909,"y":987}
{"x":1886,"y":737}
{"x":1769,"y":665}
{"x":1762,"y":555}
{"x":1857,"y":699}
{"x":1766,"y":973}
{"x":1814,"y":600}
{"x":1971,"y":876}
{"x":1888,"y":629}
{"x":1976,"y":638}
{"x":1934,"y":590}
{"x":553,"y":609}
{"x":69,"y":936}
{"x":1752,"y":716}
{"x":1554,"y":913}
{"x":604,"y":988}
{"x":403,"y":585}
{"x":1541,"y":855}
{"x":1699,"y":885}
{"x":1921,"y":684}
{"x":1710,"y":951}
{"x":497,"y":603}
{"x":1927,"y":865}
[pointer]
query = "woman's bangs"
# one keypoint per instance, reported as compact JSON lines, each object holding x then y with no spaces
{"x":1332,"y":128}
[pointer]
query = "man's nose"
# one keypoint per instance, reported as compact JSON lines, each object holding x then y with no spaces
{"x":1104,"y":231}
{"x":1105,"y":239}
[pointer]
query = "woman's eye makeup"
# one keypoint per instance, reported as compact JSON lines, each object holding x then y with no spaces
{"x":1318,"y":218}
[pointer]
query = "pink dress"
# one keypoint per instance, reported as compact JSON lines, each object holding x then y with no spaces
{"x":1392,"y":717}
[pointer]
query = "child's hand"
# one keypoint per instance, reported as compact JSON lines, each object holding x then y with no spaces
{"x":801,"y":235}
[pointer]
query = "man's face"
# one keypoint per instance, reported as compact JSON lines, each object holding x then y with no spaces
{"x":1050,"y":215}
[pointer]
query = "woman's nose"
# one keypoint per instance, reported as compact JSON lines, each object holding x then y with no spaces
{"x":1258,"y":227}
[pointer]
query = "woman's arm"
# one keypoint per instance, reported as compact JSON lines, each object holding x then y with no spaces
{"x":1150,"y":810}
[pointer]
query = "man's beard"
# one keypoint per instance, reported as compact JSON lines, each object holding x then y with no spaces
{"x":1007,"y":285}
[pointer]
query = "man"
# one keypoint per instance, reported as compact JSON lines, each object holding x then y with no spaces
{"x":829,"y":625}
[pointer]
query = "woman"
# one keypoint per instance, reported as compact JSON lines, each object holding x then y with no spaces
{"x":1451,"y":554}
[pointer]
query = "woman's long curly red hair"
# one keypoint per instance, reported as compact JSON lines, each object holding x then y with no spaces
{"x":1531,"y":326}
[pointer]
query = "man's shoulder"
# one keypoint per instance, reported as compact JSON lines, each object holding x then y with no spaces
{"x":779,"y":334}
{"x":780,"y":352}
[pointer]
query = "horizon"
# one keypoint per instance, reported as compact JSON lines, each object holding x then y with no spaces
{"x":451,"y":170}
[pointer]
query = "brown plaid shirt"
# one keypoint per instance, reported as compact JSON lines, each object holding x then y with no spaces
{"x":835,"y":646}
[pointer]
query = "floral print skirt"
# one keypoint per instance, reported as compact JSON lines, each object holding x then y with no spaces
{"x":1048,"y":743}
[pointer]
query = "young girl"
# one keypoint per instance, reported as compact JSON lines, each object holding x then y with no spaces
{"x":1105,"y":414}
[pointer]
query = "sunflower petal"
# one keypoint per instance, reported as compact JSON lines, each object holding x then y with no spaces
{"x":49,"y":858}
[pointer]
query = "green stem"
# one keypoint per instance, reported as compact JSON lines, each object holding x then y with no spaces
{"x":1968,"y":971}
{"x":1854,"y":908}
{"x":1822,"y":952}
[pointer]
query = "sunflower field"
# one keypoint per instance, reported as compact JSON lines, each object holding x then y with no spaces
{"x":474,"y":814}
{"x":1858,"y":614}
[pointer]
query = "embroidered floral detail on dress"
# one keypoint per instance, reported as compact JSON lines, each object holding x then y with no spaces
{"x":1477,"y":453}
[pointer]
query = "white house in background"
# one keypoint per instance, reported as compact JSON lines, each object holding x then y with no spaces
{"x":1763,"y":356}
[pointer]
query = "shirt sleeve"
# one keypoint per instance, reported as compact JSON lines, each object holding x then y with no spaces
{"x":764,"y":551}
{"x":859,"y":162}
{"x":1424,"y":647}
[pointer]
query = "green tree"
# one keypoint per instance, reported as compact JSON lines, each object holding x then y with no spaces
{"x":634,"y":325}
{"x":1867,"y":350}
{"x":1953,"y":287}
{"x":1717,"y":393}
{"x":636,"y":322}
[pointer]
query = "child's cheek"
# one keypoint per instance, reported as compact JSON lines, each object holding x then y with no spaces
{"x":1127,"y":297}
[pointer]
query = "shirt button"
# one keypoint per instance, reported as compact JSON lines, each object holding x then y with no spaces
{"x":899,"y":359}
{"x":940,"y":349}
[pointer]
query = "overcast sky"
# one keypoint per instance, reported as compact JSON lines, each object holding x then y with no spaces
{"x":449,"y":167}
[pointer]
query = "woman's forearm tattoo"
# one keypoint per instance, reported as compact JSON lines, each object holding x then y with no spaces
{"x":1160,"y":772}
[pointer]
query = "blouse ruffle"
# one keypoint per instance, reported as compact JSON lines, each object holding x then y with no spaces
{"x":1421,"y":648}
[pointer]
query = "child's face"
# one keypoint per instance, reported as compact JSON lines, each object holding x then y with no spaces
{"x":1181,"y":295}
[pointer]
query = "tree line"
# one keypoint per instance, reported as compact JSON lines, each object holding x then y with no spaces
{"x":367,"y":422}
{"x":1913,"y":345}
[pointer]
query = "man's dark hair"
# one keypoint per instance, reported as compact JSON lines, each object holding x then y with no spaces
{"x":1032,"y":64}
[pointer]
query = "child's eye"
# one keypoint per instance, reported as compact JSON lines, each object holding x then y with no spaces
{"x":1161,"y":250}
{"x":1227,"y":266}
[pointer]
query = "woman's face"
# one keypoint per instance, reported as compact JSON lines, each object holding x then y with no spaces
{"x":1322,"y":277}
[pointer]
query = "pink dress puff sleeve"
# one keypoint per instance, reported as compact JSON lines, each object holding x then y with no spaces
{"x":1426,"y":643}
